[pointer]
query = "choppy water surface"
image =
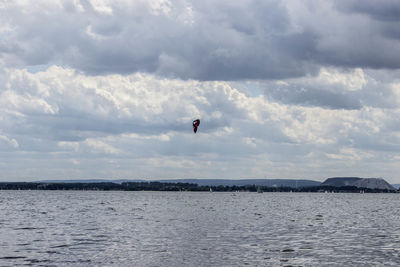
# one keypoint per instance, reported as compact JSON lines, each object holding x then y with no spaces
{"x":80,"y":228}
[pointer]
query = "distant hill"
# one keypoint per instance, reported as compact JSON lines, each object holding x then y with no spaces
{"x":89,"y":181}
{"x":207,"y":182}
{"x":397,"y":186}
{"x":260,"y":182}
{"x":371,"y":183}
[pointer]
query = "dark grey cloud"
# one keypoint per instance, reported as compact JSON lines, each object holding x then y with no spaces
{"x":224,"y":42}
{"x":316,"y":97}
{"x":385,"y":10}
{"x":207,"y":40}
{"x":359,"y":34}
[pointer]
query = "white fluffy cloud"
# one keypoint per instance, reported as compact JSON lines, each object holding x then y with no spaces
{"x":139,"y":125}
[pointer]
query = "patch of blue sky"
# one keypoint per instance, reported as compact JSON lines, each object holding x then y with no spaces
{"x":37,"y":68}
{"x":249,"y":88}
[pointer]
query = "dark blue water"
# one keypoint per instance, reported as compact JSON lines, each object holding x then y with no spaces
{"x":80,"y":228}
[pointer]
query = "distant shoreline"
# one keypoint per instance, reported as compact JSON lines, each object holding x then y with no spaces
{"x":163,"y":186}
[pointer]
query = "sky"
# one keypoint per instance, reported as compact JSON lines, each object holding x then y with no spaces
{"x":108,"y":89}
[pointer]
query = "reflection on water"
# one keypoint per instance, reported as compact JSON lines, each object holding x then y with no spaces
{"x":80,"y":228}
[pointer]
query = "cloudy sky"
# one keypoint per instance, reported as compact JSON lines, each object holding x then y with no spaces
{"x":284,"y":89}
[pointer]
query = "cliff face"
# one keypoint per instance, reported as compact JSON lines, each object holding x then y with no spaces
{"x":371,"y":183}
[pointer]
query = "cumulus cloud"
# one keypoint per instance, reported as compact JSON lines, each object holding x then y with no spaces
{"x":207,"y":40}
{"x":142,"y":122}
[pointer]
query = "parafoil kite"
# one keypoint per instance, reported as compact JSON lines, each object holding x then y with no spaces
{"x":196,"y":124}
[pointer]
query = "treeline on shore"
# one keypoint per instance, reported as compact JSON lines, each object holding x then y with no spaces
{"x":160,"y":186}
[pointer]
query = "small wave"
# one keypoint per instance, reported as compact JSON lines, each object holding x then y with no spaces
{"x":37,"y":260}
{"x":27,"y":228}
{"x":24,"y":244}
{"x":91,"y":229}
{"x":100,"y":236}
{"x":60,"y":246}
{"x":12,"y":257}
{"x":288,"y":250}
{"x":50,"y":252}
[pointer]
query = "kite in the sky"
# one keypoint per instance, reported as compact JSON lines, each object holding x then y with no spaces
{"x":196,"y":124}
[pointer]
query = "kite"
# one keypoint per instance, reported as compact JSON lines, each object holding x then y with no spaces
{"x":196,"y":124}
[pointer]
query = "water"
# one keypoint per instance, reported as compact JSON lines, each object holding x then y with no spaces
{"x":80,"y":228}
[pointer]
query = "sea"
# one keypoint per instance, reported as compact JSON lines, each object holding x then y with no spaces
{"x":113,"y":228}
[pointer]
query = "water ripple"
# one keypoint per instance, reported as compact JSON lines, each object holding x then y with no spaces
{"x":77,"y":228}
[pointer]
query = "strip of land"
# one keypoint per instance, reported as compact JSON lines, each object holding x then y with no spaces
{"x":180,"y":186}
